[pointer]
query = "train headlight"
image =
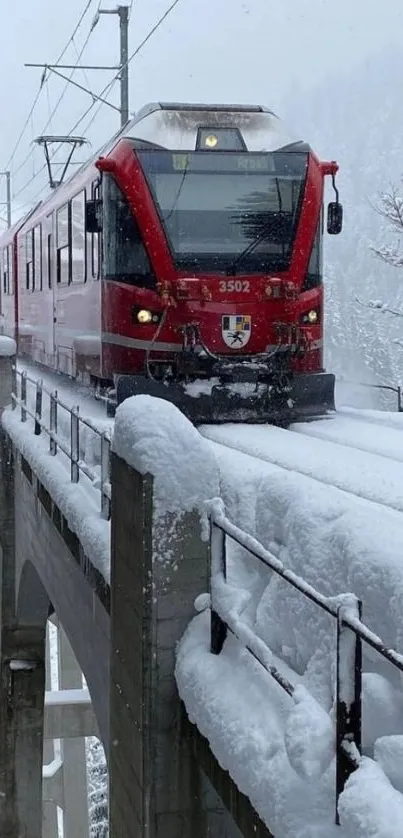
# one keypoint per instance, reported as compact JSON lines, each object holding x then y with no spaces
{"x":311,"y":317}
{"x":144,"y":316}
{"x":211,"y":141}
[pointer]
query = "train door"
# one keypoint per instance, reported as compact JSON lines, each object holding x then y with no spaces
{"x":96,"y":268}
{"x":61,"y":280}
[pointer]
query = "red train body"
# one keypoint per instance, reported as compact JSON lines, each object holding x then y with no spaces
{"x":189,"y":251}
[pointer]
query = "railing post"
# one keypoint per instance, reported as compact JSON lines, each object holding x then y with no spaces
{"x":105,"y":475}
{"x":53,"y":423}
{"x":23,"y":396}
{"x":75,"y":444}
{"x":399,"y":399}
{"x":348,"y":695}
{"x":14,"y":387}
{"x":38,"y":407}
{"x":218,"y":629}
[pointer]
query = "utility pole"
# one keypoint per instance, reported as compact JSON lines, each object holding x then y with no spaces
{"x":123,"y":12}
{"x":7,"y":202}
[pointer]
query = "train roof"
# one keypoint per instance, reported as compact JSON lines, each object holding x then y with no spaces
{"x":213,"y":108}
{"x":168,"y":124}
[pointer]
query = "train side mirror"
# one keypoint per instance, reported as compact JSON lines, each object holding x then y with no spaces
{"x":93,"y":215}
{"x":334,"y":218}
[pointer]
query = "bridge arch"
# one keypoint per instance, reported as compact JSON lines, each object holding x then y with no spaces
{"x":33,"y":603}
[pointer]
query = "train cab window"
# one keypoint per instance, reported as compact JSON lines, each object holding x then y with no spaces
{"x":78,"y":247}
{"x":63,"y":245}
{"x":125,"y":257}
{"x":315,"y":266}
{"x":29,"y":260}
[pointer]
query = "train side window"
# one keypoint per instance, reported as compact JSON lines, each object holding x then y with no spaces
{"x":49,"y":259}
{"x":37,"y":258}
{"x":4,"y":272}
{"x":63,"y":246}
{"x":29,"y":261}
{"x":94,"y":239}
{"x":10,"y":273}
{"x":124,"y":255}
{"x":78,"y":244}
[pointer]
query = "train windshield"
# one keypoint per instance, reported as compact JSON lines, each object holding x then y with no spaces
{"x":215,"y":205}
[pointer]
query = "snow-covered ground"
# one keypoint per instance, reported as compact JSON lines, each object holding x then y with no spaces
{"x":326,"y":498}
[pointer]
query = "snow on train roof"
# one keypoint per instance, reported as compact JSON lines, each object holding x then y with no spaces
{"x":174,"y":126}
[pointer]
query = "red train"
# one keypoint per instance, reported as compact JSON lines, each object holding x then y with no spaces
{"x":185,"y":261}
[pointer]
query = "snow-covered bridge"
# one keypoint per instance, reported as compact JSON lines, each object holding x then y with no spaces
{"x":124,"y":589}
{"x":122,"y":575}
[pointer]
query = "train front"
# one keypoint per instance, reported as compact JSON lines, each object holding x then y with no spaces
{"x":212,"y":249}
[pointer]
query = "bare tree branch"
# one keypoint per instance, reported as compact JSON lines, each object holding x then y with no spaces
{"x":390,"y":255}
{"x":390,"y":207}
{"x":378,"y":305}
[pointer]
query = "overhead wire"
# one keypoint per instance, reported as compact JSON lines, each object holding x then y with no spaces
{"x":53,"y":111}
{"x":63,"y":93}
{"x":26,"y":123}
{"x":82,"y":16}
{"x":71,"y":131}
{"x":105,"y":91}
{"x":42,"y":82}
{"x":78,"y":55}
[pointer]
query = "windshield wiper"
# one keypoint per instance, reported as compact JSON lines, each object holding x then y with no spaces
{"x":231,"y":271}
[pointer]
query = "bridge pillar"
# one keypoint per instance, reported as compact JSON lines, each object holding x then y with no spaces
{"x":75,"y":814}
{"x":49,"y":810}
{"x":8,"y":813}
{"x":158,"y":567}
{"x":22,"y":658}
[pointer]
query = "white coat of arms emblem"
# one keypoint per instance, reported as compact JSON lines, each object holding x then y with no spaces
{"x":236,"y":329}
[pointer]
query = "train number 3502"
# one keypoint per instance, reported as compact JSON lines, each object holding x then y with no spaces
{"x":241,"y":286}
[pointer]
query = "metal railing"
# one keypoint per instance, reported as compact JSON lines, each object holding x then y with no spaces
{"x":351,"y":632}
{"x":57,"y":442}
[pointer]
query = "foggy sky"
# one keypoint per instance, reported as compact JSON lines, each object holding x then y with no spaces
{"x":211,"y":50}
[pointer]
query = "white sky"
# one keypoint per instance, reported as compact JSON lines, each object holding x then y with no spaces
{"x":212,"y":50}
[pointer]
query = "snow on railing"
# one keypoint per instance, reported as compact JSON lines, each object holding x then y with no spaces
{"x":58,"y":442}
{"x":351,"y":631}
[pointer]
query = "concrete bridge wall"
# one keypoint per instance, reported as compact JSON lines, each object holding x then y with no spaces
{"x":124,"y":639}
